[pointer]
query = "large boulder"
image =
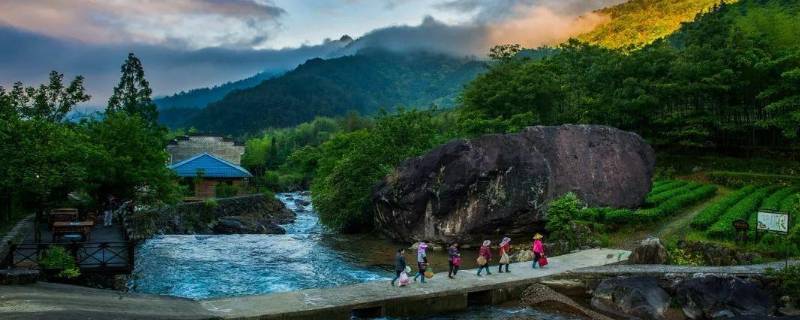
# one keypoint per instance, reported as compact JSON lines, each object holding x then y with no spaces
{"x":498,"y":184}
{"x":711,"y":296}
{"x":636,"y":297}
{"x":650,"y":251}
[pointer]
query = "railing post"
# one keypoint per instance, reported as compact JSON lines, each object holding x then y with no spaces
{"x":8,"y":260}
{"x":131,"y":255}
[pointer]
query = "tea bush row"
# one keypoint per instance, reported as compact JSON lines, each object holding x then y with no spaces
{"x":711,"y":214}
{"x":723,"y":228}
{"x":655,"y":199}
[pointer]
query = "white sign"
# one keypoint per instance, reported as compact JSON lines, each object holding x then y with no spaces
{"x":773,"y":221}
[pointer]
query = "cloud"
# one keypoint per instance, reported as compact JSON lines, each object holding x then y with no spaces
{"x":531,"y":23}
{"x":168,"y":69}
{"x":174,"y":23}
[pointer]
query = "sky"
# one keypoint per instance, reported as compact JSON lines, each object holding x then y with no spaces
{"x":187,"y":44}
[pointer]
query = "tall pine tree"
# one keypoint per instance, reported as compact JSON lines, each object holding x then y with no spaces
{"x":132,"y":94}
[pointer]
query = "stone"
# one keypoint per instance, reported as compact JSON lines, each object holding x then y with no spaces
{"x":542,"y":296}
{"x":713,"y":254}
{"x":636,"y":297}
{"x":709,"y":296}
{"x":18,"y":276}
{"x":468,"y":190}
{"x":650,"y":251}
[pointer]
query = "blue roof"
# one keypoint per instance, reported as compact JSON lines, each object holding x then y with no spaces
{"x":211,"y":166}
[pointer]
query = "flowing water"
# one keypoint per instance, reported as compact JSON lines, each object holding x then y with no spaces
{"x":307,"y":256}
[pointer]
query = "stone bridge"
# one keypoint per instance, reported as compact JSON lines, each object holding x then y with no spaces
{"x":371,"y":299}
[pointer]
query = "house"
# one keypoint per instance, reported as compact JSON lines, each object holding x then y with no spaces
{"x":204,"y":172}
{"x":185,"y":147}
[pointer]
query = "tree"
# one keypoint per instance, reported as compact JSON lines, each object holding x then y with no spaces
{"x":42,"y":158}
{"x":132,"y":94}
{"x":132,"y":164}
{"x":50,"y":102}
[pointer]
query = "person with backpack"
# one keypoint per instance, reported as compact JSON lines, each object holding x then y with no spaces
{"x":399,"y":264}
{"x":453,"y":260}
{"x":422,"y":260}
{"x":484,"y":256}
{"x":505,"y":248}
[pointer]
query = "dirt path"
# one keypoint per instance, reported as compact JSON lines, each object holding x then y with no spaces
{"x":679,"y":226}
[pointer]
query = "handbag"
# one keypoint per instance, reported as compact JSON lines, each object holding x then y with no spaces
{"x":429,"y":273}
{"x":481,"y":260}
{"x":456,"y":261}
{"x":543,"y":261}
{"x":504,"y":259}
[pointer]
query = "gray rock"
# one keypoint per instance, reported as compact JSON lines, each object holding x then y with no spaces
{"x":650,"y":251}
{"x":709,"y":296}
{"x":244,"y":225}
{"x":468,"y":190}
{"x":637,"y":297}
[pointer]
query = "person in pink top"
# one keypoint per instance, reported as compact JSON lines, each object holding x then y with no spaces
{"x":537,"y":248}
{"x":486,"y":253}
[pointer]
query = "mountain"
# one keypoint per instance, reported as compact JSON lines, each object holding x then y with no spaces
{"x":176,"y":109}
{"x":200,"y":98}
{"x":640,"y":22}
{"x":365,"y":82}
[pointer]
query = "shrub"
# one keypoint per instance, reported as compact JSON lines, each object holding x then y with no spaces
{"x":723,"y":228}
{"x":57,"y":258}
{"x":663,"y":196}
{"x":710,"y":214}
{"x":560,"y":212}
{"x":775,"y":201}
{"x":788,"y":280}
{"x":739,"y":179}
{"x":224,"y":190}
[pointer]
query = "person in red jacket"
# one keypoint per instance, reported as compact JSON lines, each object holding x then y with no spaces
{"x":505,"y":249}
{"x":538,"y":249}
{"x":486,"y":254}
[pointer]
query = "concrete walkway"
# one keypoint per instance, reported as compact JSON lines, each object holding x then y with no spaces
{"x":673,"y":270}
{"x":51,"y":301}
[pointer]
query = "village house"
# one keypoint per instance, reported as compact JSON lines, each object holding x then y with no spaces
{"x":205,"y":162}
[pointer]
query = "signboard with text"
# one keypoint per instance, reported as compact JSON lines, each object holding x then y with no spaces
{"x":773,"y":221}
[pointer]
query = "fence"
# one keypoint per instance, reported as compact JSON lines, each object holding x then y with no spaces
{"x":103,"y":257}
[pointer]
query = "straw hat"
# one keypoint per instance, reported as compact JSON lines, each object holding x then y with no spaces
{"x":537,"y":236}
{"x":486,"y":243}
{"x":505,"y":240}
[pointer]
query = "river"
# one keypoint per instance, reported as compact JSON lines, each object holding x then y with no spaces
{"x":307,"y":256}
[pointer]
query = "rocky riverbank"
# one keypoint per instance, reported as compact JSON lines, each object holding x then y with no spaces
{"x":252,"y":214}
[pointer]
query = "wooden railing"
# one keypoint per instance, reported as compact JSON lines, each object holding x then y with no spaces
{"x":110,"y":257}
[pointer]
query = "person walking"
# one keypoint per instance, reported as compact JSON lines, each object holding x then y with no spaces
{"x":399,"y":264}
{"x":537,"y":248}
{"x":422,"y":260}
{"x":484,"y":256}
{"x":505,"y":248}
{"x":453,"y":260}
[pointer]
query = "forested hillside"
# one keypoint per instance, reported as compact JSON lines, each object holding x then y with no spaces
{"x":727,"y":82}
{"x":364,"y":83}
{"x":176,"y":109}
{"x":730,"y":79}
{"x":639,"y":22}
